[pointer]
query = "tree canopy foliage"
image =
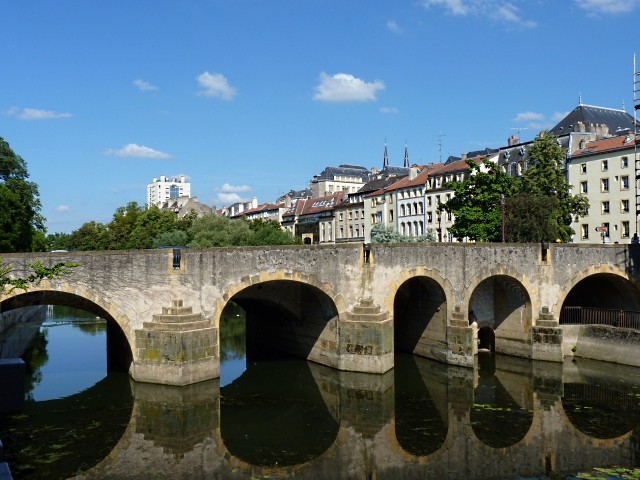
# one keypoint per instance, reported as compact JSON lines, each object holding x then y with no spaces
{"x":20,"y":220}
{"x":135,"y":227}
{"x":383,"y":234}
{"x":538,"y":205}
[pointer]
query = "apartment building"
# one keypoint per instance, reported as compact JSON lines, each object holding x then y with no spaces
{"x":164,"y":189}
{"x":603,"y":170}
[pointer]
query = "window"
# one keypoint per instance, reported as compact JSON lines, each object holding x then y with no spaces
{"x":362,"y":214}
{"x":624,"y":162}
{"x":605,"y":165}
{"x":356,"y":215}
{"x":624,"y":206}
{"x":583,"y":168}
{"x":624,"y":182}
{"x":605,"y":206}
{"x":350,"y":214}
{"x":341,"y":216}
{"x":585,"y":231}
{"x":604,"y":184}
{"x":402,"y":210}
{"x":429,"y":201}
{"x":391,"y":215}
{"x":606,"y":229}
{"x":341,"y":232}
{"x":429,"y":217}
{"x":625,"y":230}
{"x":583,"y":187}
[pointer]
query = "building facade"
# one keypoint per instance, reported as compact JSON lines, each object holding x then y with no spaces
{"x":165,"y":189}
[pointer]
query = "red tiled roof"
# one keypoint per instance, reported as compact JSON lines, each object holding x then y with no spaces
{"x":605,"y":145}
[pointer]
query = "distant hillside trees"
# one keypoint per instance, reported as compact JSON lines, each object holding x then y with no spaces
{"x":135,"y":227}
{"x":21,"y":225}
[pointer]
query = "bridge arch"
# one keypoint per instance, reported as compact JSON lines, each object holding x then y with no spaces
{"x":302,"y":312}
{"x":603,"y":287}
{"x":120,"y":338}
{"x":420,"y":305}
{"x":501,"y":300}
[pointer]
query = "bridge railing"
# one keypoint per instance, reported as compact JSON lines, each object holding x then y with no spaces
{"x":600,"y":316}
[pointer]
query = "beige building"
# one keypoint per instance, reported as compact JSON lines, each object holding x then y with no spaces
{"x":603,"y":171}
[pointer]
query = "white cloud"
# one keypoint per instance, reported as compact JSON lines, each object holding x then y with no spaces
{"x":607,"y":6}
{"x":557,"y":116}
{"x":229,"y":198}
{"x":36,"y":114}
{"x":144,"y":86}
{"x":343,"y":87}
{"x":502,"y":11}
{"x":455,"y":7}
{"x":132,"y":150}
{"x":235,"y":188}
{"x":389,"y":110}
{"x":394,"y":27}
{"x":529,"y":117}
{"x":62,"y":208}
{"x":215,"y":85}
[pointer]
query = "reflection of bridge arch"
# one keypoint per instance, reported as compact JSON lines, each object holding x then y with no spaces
{"x":120,"y":337}
{"x":501,"y":300}
{"x":302,"y":312}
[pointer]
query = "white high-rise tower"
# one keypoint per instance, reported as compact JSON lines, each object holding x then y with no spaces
{"x":164,"y":189}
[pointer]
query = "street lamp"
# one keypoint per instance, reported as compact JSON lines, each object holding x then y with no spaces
{"x":502,"y":203}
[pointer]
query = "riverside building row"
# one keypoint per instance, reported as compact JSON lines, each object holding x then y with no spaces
{"x":343,"y":204}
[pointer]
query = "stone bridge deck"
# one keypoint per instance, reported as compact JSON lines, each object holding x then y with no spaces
{"x":336,"y":305}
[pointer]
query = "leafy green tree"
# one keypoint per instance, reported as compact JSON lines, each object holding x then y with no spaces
{"x":219,"y":231}
{"x":90,"y":236}
{"x":39,"y":272}
{"x":269,"y":232}
{"x":476,"y":202}
{"x":171,"y":238}
{"x":122,"y":225}
{"x":19,"y":203}
{"x":545,"y":180}
{"x":380,"y":233}
{"x":149,"y":225}
{"x":531,"y":218}
{"x":59,"y":241}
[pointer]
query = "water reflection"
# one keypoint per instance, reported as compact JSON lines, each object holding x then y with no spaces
{"x":291,"y":419}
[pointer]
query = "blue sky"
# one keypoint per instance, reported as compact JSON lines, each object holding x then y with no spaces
{"x":254,"y":97}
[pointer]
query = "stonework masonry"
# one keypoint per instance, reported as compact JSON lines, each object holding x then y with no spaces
{"x":170,"y":314}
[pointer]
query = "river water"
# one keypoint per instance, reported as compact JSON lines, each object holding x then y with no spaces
{"x":290,"y":419}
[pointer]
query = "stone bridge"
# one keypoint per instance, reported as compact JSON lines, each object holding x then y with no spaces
{"x":348,"y":307}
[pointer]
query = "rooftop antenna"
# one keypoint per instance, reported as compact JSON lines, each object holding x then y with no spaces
{"x":519,"y":129}
{"x":440,"y":136}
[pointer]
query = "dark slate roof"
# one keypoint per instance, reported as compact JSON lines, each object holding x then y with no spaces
{"x":615,"y":119}
{"x":330,"y":173}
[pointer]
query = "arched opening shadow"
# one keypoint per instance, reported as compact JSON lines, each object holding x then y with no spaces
{"x":501,"y":304}
{"x":486,"y":339}
{"x":493,"y":408}
{"x":421,"y":428}
{"x":604,"y":299}
{"x":419,"y":312}
{"x":275,"y":414}
{"x":288,"y":317}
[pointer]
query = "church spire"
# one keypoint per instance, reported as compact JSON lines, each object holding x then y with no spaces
{"x":406,"y":156}
{"x":385,"y":161}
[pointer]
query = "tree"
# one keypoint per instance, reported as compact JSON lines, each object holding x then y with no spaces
{"x":269,"y":232}
{"x":543,"y":183}
{"x":171,"y":238}
{"x":19,"y":203}
{"x":476,"y":202}
{"x":383,"y":234}
{"x":218,"y":231}
{"x":39,"y":272}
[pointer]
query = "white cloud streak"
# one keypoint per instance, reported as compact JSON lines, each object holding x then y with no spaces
{"x":611,"y":7}
{"x":229,"y":198}
{"x":227,"y":188}
{"x":501,"y":11}
{"x":529,"y":117}
{"x":215,"y":85}
{"x":62,"y":208}
{"x":393,"y":26}
{"x":36,"y":114}
{"x":343,"y":87}
{"x":133,"y":150}
{"x":144,"y":86}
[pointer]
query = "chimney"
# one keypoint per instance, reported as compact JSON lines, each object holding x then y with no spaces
{"x":413,"y":172}
{"x":463,"y":156}
{"x":513,"y":140}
